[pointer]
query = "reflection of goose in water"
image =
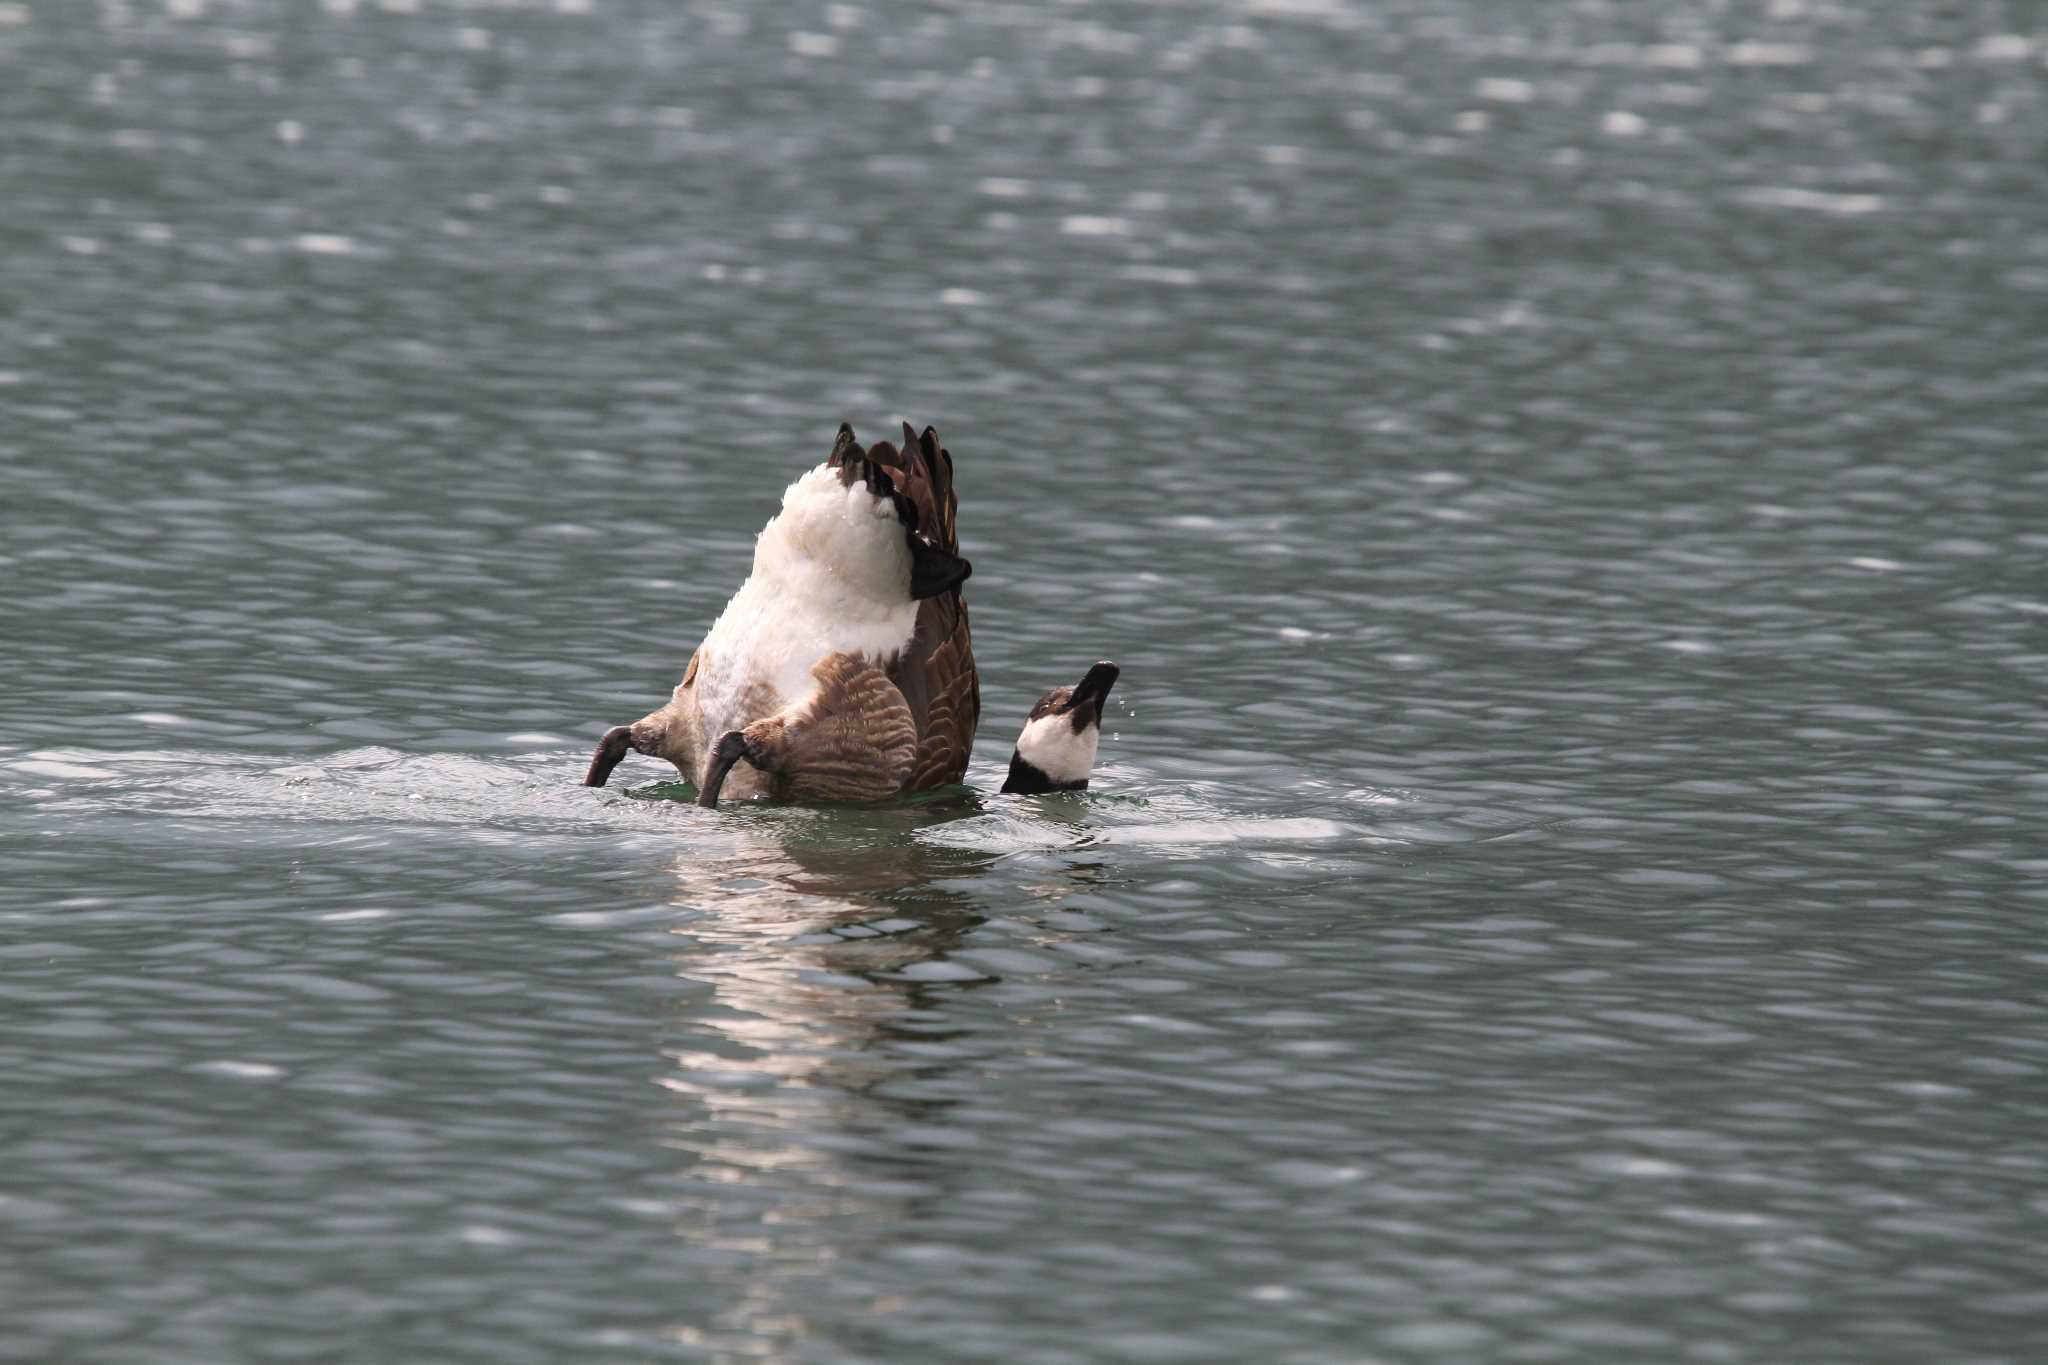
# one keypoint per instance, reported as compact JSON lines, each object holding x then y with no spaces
{"x":813,"y":1088}
{"x":812,"y":931}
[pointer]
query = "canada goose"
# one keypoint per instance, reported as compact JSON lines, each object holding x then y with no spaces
{"x":842,"y":669}
{"x":1056,"y":752}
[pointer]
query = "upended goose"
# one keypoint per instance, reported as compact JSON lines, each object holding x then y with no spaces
{"x":843,"y":668}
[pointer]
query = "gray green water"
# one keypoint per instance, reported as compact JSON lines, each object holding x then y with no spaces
{"x":1565,"y":483}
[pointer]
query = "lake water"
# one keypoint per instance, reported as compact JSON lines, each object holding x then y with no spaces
{"x":1566,"y":486}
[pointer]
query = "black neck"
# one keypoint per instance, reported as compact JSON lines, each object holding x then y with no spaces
{"x":1027,"y":779}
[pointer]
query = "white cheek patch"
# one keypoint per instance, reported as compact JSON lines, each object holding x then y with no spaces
{"x":1050,"y":745}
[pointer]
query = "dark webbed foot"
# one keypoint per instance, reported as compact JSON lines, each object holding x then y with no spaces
{"x":617,"y":742}
{"x":731,"y":748}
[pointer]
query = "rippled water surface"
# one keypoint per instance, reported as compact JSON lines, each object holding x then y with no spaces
{"x":1565,"y":484}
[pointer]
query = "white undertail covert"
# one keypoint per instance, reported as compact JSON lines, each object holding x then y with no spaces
{"x":831,"y":575}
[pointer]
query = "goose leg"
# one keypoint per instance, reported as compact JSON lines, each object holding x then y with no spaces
{"x":614,"y":746}
{"x":731,"y":748}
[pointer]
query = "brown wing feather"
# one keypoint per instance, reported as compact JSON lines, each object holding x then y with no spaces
{"x":952,"y":688}
{"x":936,"y":674}
{"x":953,"y":702}
{"x":853,"y":741}
{"x":927,"y":480}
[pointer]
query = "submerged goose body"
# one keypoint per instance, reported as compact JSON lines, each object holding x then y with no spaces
{"x":843,"y":668}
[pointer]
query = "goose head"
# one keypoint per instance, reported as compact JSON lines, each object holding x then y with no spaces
{"x":1056,"y":751}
